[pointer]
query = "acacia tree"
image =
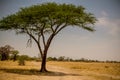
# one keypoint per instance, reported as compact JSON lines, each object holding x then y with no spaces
{"x":44,"y":21}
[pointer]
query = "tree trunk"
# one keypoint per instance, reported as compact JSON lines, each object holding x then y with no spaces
{"x":44,"y":55}
{"x":43,"y":64}
{"x":4,"y":57}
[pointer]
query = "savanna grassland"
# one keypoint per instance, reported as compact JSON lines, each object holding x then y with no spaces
{"x":10,"y":70}
{"x":98,"y":70}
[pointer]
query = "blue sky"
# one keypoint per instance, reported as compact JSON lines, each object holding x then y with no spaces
{"x":103,"y":44}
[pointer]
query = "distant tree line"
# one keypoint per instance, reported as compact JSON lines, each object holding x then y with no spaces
{"x":9,"y":53}
{"x":63,"y":58}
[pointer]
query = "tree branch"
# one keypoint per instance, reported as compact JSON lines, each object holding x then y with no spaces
{"x":29,"y":42}
{"x":42,"y":34}
{"x":49,"y":42}
{"x":39,"y":37}
{"x":58,"y":30}
{"x":40,"y":49}
{"x":43,"y":38}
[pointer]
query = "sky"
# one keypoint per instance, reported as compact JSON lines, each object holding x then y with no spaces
{"x":103,"y":44}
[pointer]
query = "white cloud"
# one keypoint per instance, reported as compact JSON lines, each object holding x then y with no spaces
{"x":111,"y":25}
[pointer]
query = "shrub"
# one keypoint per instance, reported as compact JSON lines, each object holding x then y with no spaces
{"x":22,"y":59}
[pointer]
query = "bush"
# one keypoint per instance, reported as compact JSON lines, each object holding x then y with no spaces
{"x":22,"y":60}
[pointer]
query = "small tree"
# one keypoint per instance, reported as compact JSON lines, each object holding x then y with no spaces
{"x":5,"y":51}
{"x":43,"y":22}
{"x":14,"y":54}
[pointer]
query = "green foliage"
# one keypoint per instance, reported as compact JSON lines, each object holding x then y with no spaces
{"x":48,"y":14}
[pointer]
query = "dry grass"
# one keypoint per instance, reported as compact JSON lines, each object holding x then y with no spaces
{"x":102,"y":68}
{"x":99,"y":71}
{"x":14,"y":65}
{"x":10,"y":70}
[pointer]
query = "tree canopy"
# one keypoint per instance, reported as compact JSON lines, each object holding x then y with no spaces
{"x":48,"y":15}
{"x":44,"y":21}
